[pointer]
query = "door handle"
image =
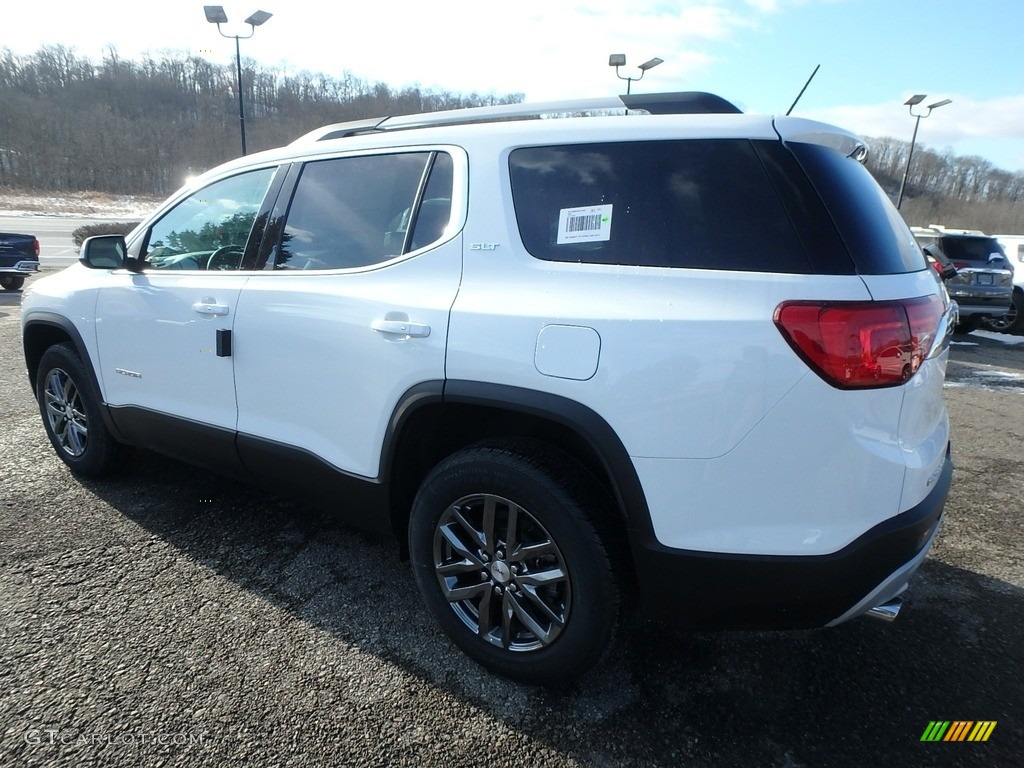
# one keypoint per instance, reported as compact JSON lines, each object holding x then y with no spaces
{"x":210,"y":308}
{"x":401,"y":328}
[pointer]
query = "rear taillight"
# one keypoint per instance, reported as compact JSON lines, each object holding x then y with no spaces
{"x":863,"y":344}
{"x":36,"y":247}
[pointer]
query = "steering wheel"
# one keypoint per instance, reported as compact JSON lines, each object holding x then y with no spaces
{"x":228,"y":257}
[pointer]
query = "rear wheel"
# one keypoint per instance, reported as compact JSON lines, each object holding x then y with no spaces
{"x":70,"y":408}
{"x":12,"y":282}
{"x":1013,"y":320}
{"x":506,"y":551}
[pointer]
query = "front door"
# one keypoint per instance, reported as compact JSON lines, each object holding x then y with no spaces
{"x":164,"y":332}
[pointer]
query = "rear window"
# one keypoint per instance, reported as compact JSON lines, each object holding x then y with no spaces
{"x":875,"y":234}
{"x":704,"y":204}
{"x":971,"y":248}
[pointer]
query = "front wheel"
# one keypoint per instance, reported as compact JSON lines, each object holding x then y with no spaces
{"x":70,"y":408}
{"x":12,"y":282}
{"x":506,"y":550}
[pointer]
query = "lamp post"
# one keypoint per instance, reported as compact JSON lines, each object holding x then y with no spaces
{"x":215,"y":15}
{"x":619,"y":60}
{"x":912,"y":102}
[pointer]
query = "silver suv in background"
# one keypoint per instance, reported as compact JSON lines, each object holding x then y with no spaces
{"x":983,"y":283}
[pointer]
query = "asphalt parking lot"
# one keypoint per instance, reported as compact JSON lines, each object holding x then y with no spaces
{"x":170,"y":617}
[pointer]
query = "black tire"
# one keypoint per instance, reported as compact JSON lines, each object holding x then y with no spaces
{"x":1012,"y":321}
{"x":559,"y":573}
{"x":12,"y":282}
{"x":70,"y":408}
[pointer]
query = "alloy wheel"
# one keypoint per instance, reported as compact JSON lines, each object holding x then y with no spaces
{"x":502,"y":573}
{"x":65,"y":412}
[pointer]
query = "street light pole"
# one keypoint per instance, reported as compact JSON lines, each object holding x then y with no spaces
{"x":619,"y":60}
{"x":241,"y":104}
{"x":912,"y":102}
{"x":215,"y":15}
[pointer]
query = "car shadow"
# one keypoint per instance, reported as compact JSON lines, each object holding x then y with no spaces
{"x":667,"y":696}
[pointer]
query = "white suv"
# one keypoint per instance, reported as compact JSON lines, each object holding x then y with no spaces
{"x":671,"y":357}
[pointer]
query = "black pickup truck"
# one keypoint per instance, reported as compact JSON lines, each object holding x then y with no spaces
{"x":19,"y":256}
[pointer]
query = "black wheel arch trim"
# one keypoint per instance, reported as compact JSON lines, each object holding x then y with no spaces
{"x":37,"y":319}
{"x":568,"y":413}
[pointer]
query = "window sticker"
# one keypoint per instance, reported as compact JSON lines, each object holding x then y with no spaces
{"x":589,"y":224}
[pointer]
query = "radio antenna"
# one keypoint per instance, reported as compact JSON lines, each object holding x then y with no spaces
{"x":803,"y":89}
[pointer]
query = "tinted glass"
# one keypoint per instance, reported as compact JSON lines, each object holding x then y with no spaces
{"x":704,"y":204}
{"x":351,"y":211}
{"x":209,"y":229}
{"x":875,"y":234}
{"x":972,"y":249}
{"x":811,"y":221}
{"x":436,"y":208}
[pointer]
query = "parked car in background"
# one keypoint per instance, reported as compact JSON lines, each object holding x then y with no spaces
{"x":19,"y":257}
{"x":1013,"y":320}
{"x":983,"y":284}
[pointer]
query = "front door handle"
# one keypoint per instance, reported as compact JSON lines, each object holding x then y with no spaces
{"x":210,"y":308}
{"x":401,"y":328}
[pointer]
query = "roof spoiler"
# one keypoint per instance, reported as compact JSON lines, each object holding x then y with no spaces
{"x":683,"y":103}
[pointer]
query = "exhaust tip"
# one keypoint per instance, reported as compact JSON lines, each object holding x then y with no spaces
{"x":886,"y":611}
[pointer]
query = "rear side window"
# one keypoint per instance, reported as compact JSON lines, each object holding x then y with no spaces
{"x":704,"y":204}
{"x":875,"y":234}
{"x":357,"y":211}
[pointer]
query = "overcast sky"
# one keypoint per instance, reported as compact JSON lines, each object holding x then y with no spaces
{"x":874,"y":54}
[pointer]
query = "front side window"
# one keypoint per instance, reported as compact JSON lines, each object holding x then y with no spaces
{"x":358,"y":211}
{"x":209,"y":228}
{"x":699,"y":204}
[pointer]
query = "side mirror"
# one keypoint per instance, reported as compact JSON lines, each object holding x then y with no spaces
{"x":104,"y":252}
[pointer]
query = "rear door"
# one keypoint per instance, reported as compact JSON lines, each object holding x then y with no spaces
{"x":351,"y":310}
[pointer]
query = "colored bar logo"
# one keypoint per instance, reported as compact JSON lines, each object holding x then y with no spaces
{"x":958,"y":730}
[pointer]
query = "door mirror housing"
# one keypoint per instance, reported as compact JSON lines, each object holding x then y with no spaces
{"x":104,"y":252}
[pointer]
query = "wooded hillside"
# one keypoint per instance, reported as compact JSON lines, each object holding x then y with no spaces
{"x":961,"y":191}
{"x":140,"y":127}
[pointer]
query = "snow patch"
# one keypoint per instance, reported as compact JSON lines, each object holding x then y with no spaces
{"x":97,"y":205}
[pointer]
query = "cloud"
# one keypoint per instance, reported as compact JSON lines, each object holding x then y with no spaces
{"x":967,"y":125}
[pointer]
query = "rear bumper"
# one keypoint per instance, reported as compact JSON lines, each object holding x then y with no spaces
{"x":723,"y":591}
{"x":23,"y":267}
{"x":972,"y":307}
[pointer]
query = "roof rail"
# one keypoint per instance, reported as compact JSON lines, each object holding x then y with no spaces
{"x":690,"y":102}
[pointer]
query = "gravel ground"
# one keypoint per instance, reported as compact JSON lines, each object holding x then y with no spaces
{"x":171,"y":617}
